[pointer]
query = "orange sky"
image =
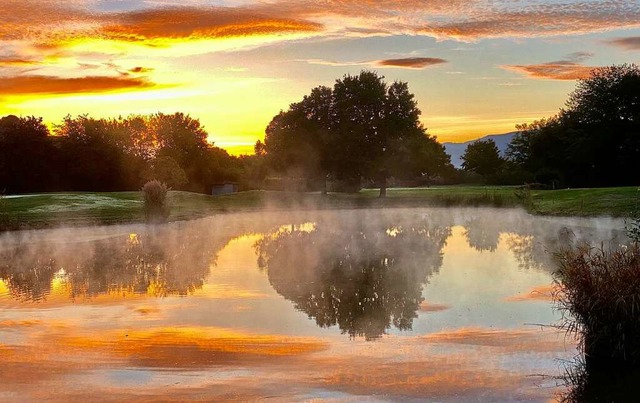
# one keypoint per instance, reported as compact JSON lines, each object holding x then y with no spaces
{"x":476,"y":67}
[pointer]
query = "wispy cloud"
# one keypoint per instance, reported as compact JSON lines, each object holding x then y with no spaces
{"x":558,"y":70}
{"x":16,"y":62}
{"x":627,"y":43}
{"x":21,"y":85}
{"x":415,"y":63}
{"x":198,"y":23}
{"x":410,"y":62}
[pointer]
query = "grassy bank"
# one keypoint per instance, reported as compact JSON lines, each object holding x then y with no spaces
{"x":52,"y":209}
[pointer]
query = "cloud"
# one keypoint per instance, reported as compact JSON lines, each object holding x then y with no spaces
{"x":579,"y":57}
{"x":44,"y":21}
{"x":333,"y":63}
{"x":558,"y":70}
{"x":628,"y":43}
{"x":411,"y":62}
{"x":415,"y":63}
{"x":22,"y":85}
{"x":53,"y":21}
{"x":16,"y":62}
{"x":538,"y":20}
{"x":199,"y":23}
{"x":140,"y":69}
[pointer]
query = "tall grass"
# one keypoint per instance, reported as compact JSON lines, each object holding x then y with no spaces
{"x":599,"y":295}
{"x":600,"y":386}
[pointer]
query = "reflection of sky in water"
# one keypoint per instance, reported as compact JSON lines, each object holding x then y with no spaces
{"x":232,"y":336}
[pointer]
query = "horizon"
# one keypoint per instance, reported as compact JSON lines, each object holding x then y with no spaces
{"x":476,"y":68}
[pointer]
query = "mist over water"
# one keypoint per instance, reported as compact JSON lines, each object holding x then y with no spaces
{"x":423,"y":296}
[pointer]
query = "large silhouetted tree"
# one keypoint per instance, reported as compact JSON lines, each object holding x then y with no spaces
{"x":362,"y":128}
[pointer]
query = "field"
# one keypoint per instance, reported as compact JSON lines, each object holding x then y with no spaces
{"x":53,"y":209}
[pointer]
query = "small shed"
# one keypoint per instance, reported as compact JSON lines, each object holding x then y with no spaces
{"x":224,"y":188}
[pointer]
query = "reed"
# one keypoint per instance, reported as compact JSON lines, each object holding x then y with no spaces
{"x":599,"y":296}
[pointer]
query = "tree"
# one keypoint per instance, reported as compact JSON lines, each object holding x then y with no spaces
{"x":166,"y":170}
{"x":595,"y":140}
{"x":90,"y":157}
{"x":362,"y":128}
{"x":26,"y":155}
{"x":482,"y":157}
{"x":183,"y":139}
{"x":296,"y":140}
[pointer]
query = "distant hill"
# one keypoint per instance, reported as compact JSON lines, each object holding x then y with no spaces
{"x":455,"y":150}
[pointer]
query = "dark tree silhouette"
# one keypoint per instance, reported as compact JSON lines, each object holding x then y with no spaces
{"x":89,"y":154}
{"x":483,"y":158}
{"x":296,"y":141}
{"x":362,"y":128}
{"x":91,"y":157}
{"x":26,"y":153}
{"x":594,"y":141}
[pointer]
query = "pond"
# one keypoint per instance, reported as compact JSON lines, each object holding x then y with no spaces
{"x":374,"y":305}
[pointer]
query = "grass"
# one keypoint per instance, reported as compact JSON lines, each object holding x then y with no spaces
{"x":617,"y":202}
{"x":80,"y":208}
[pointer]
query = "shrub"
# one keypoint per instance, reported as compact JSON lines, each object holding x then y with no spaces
{"x":599,"y":295}
{"x":155,"y":196}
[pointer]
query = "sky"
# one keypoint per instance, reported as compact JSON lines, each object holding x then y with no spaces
{"x":476,"y":67}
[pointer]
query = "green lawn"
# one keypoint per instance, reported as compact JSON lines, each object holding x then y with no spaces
{"x":52,"y":209}
{"x":617,"y":202}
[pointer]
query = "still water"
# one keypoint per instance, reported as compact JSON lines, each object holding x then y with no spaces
{"x":374,"y":305}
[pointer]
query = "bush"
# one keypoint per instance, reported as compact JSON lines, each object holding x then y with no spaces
{"x":155,"y":197}
{"x":599,"y":294}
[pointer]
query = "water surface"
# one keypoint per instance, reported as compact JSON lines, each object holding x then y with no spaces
{"x":424,"y":304}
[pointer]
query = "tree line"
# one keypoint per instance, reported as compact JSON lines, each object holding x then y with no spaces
{"x":87,"y":154}
{"x":360,"y":132}
{"x":593,"y":141}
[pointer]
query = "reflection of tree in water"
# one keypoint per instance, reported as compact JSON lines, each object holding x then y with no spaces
{"x":536,"y":246}
{"x":361,"y":275}
{"x":161,"y":261}
{"x":482,"y":234}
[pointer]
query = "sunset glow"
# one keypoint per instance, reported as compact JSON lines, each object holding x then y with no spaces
{"x":476,"y":67}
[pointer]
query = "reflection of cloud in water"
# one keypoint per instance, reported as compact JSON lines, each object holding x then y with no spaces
{"x":540,"y":293}
{"x":523,"y":340}
{"x":192,"y":347}
{"x":429,"y":307}
{"x":223,"y":363}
